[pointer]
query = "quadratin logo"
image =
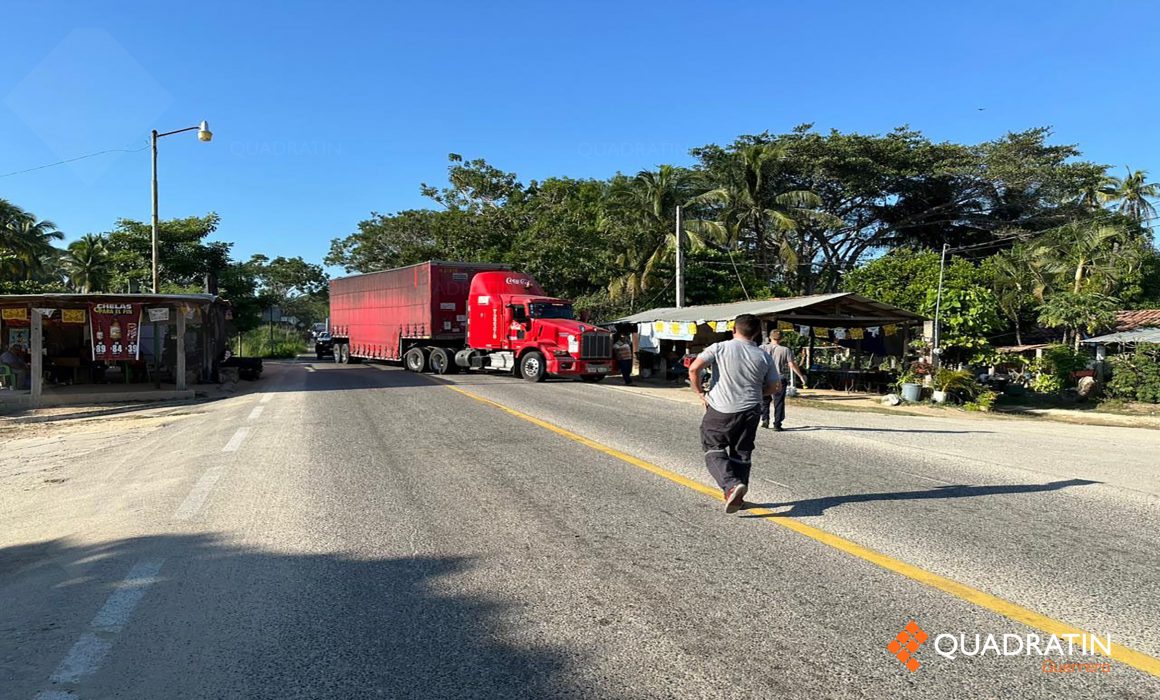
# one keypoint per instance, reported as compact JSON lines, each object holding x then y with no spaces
{"x":952,"y":646}
{"x":906,"y":644}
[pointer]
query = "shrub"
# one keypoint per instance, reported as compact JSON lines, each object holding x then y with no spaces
{"x":1136,"y":377}
{"x":282,"y":343}
{"x":1055,"y":367}
{"x":983,"y":402}
{"x":960,"y":384}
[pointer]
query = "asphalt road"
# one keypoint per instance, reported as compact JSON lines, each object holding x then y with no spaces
{"x":361,"y":532}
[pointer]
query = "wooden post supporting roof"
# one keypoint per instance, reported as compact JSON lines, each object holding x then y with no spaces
{"x":180,"y":378}
{"x":36,"y":352}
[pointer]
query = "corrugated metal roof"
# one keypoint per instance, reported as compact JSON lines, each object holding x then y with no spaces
{"x":771,"y":307}
{"x":1139,"y":335}
{"x":69,"y":298}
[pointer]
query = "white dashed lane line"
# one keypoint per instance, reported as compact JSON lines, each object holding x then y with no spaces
{"x":90,"y":649}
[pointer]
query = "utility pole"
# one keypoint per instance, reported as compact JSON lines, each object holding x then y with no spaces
{"x":937,"y":351}
{"x":680,"y":263}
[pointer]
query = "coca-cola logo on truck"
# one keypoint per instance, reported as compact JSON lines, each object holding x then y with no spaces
{"x":522,"y":281}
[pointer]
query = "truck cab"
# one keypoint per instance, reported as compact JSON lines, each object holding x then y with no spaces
{"x":514,"y":325}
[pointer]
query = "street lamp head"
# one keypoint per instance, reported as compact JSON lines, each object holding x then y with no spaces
{"x":203,"y":132}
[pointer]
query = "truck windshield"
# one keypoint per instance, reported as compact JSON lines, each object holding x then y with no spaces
{"x":546,"y":310}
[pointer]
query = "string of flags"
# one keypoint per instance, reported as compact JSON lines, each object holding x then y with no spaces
{"x":686,"y":330}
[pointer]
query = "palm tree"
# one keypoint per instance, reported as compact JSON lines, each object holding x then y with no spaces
{"x":86,"y":263}
{"x":643,"y":209}
{"x":1133,"y":193}
{"x":1015,"y":282}
{"x":752,"y":217}
{"x":1086,"y":254}
{"x":27,"y":242}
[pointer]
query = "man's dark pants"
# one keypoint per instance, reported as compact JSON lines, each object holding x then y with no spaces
{"x":778,"y":401}
{"x":626,"y":370}
{"x":728,"y":440}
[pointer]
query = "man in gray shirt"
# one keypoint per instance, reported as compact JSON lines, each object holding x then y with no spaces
{"x":742,"y":375}
{"x":783,"y":360}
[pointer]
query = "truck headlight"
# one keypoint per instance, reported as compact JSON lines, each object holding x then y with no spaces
{"x":560,"y":353}
{"x":573,"y":344}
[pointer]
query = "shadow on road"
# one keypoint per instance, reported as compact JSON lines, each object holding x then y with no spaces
{"x":817,"y":506}
{"x":224,"y":621}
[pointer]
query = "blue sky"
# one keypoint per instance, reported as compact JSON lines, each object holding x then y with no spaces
{"x":324,"y":112}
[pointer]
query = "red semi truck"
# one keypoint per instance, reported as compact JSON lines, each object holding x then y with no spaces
{"x":446,"y":316}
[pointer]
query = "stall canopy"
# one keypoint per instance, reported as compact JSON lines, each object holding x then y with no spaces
{"x":842,"y":309}
{"x":1139,"y":335}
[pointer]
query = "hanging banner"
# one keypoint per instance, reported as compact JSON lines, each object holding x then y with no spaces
{"x":784,"y":326}
{"x":803,"y":330}
{"x":890,"y":329}
{"x":20,"y":314}
{"x":115,"y":331}
{"x":856,"y":334}
{"x":839,"y":334}
{"x":874,"y":330}
{"x":820,"y":332}
{"x":72,"y":315}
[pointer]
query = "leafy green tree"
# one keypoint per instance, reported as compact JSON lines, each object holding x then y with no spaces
{"x":909,"y":279}
{"x":1078,"y":312}
{"x":299,"y":288}
{"x":185,"y":257}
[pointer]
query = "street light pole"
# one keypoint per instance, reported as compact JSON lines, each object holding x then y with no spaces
{"x":936,"y":351}
{"x":155,"y":278}
{"x":680,"y":263}
{"x":203,"y":134}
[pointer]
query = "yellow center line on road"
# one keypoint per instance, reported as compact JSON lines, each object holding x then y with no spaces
{"x":1125,"y":655}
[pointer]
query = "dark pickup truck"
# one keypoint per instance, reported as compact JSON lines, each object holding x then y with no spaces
{"x":323,"y":345}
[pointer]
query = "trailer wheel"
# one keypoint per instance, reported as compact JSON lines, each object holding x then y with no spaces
{"x":591,"y":378}
{"x":415,"y":360}
{"x":441,"y":361}
{"x":532,"y":366}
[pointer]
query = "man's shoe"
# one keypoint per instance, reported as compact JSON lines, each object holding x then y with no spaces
{"x":734,"y":497}
{"x":778,"y":428}
{"x":765,"y":424}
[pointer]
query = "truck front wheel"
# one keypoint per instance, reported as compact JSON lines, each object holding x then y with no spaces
{"x":532,"y":366}
{"x":415,"y":360}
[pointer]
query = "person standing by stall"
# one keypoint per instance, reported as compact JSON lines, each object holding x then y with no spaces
{"x":622,"y":350}
{"x":13,"y":358}
{"x":743,"y":374}
{"x":783,"y":360}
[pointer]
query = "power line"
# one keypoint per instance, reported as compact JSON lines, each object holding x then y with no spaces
{"x":73,"y":160}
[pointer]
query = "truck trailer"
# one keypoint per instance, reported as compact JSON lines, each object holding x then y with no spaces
{"x":444,"y":317}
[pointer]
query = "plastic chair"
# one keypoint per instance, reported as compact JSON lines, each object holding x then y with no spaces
{"x":7,"y":377}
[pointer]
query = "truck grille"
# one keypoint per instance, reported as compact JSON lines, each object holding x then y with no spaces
{"x":595,"y":346}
